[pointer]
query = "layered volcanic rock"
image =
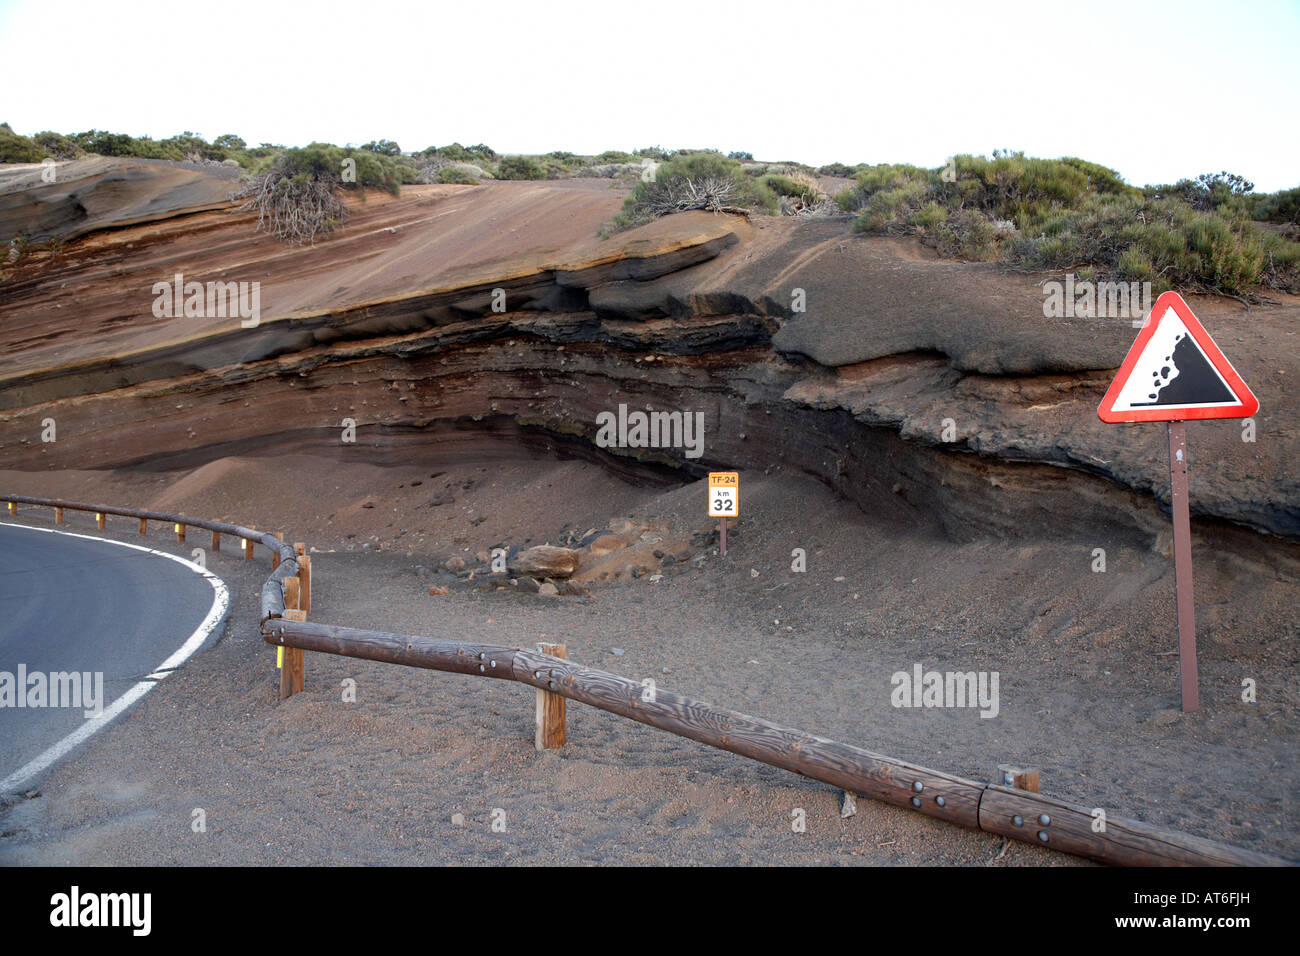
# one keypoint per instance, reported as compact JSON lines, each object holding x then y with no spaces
{"x":42,"y":201}
{"x":926,"y":390}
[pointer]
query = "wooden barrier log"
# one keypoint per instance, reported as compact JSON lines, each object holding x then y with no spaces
{"x":850,"y":768}
{"x":273,"y":591}
{"x":859,"y":771}
{"x":1034,"y":818}
{"x":432,"y":653}
{"x":550,"y":707}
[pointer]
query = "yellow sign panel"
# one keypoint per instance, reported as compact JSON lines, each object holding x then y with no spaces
{"x":724,"y":494}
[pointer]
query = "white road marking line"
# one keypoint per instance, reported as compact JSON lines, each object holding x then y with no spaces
{"x":216,"y":614}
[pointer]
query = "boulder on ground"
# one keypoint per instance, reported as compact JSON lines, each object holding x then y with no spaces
{"x":545,"y":561}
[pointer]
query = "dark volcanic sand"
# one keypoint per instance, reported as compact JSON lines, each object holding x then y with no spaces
{"x":1088,"y":688}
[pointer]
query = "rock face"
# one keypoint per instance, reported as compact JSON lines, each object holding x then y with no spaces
{"x":544,"y":561}
{"x":927,"y":391}
{"x":102,"y":192}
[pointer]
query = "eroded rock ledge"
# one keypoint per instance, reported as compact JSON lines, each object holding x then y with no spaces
{"x":894,"y":353}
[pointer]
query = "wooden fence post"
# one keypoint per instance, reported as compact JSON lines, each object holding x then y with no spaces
{"x":292,"y":592}
{"x":216,"y":541}
{"x":294,"y":667}
{"x":144,"y":527}
{"x":99,"y":519}
{"x":180,"y":532}
{"x":304,"y":576}
{"x":248,"y":545}
{"x":550,"y":708}
{"x":58,"y":516}
{"x":275,"y":555}
{"x":13,"y":507}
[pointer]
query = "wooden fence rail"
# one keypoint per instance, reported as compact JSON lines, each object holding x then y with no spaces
{"x":1015,"y":814}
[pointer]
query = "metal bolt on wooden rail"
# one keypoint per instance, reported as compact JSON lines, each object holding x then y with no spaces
{"x":1021,"y":778}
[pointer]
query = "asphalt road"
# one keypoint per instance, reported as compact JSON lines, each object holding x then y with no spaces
{"x":78,"y":605}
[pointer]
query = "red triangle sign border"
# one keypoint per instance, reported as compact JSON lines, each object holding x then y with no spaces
{"x":1174,"y":413}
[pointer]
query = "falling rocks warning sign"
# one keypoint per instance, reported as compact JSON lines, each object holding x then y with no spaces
{"x":1175,"y":372}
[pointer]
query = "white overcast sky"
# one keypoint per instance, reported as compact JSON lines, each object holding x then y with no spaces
{"x":1156,"y":90}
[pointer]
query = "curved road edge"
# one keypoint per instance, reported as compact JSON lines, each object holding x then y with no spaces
{"x":214,"y":619}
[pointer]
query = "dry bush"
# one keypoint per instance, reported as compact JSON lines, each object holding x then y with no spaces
{"x":293,"y":206}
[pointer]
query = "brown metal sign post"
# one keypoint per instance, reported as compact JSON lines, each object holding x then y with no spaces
{"x":1183,"y":566}
{"x":1174,"y":373}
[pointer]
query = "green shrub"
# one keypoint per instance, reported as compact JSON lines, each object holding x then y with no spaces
{"x":296,"y":193}
{"x":107,"y":144}
{"x":456,"y":175}
{"x":1069,"y":213}
{"x":694,"y":180}
{"x":796,"y":186}
{"x":18,"y":149}
{"x":519,"y":167}
{"x":456,"y":153}
{"x":57,"y":145}
{"x":930,"y":216}
{"x":796,"y":191}
{"x":1283,"y":207}
{"x":384,"y":147}
{"x":182,"y":147}
{"x":839,"y":170}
